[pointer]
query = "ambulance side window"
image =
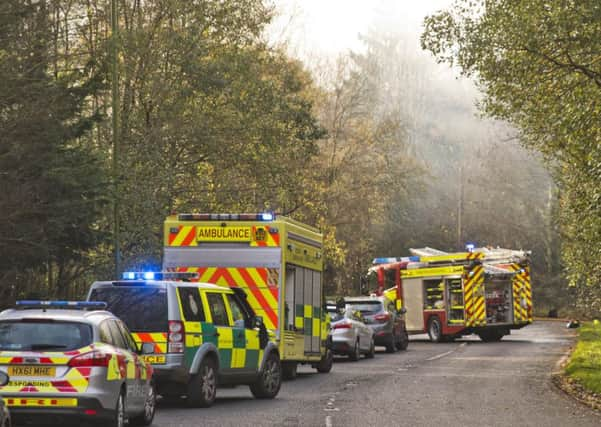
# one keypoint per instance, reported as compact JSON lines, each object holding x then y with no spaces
{"x":191,"y":304}
{"x":217,"y":307}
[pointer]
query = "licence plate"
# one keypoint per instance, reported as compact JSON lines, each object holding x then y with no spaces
{"x":31,"y":371}
{"x":154,"y":359}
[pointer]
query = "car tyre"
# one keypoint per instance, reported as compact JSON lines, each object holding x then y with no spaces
{"x":325,"y":364}
{"x":435,"y":329}
{"x":372,"y":350}
{"x":403,"y":341}
{"x":289,"y":370}
{"x":269,"y":382}
{"x":202,"y":388}
{"x":119,"y":417}
{"x":150,"y":404}
{"x":390,"y":346}
{"x":356,"y":353}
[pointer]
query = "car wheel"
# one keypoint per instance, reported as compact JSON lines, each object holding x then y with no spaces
{"x":289,"y":370}
{"x":356,"y":353}
{"x":390,"y":346}
{"x":403,"y":341}
{"x":150,"y":404}
{"x":435,"y":329}
{"x":372,"y":350}
{"x":268,"y":384}
{"x":325,"y":364}
{"x":119,"y":417}
{"x":202,"y":388}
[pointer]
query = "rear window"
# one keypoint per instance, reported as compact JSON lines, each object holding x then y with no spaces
{"x":366,"y":307}
{"x":335,"y":315}
{"x":142,"y":309}
{"x":44,"y":335}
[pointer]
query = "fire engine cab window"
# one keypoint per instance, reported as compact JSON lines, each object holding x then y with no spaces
{"x":191,"y":305}
{"x":218,"y":312}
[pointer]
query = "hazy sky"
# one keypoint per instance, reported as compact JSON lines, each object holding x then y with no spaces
{"x":332,"y":26}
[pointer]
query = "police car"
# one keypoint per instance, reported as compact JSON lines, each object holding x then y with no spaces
{"x":66,"y":362}
{"x":203,"y":335}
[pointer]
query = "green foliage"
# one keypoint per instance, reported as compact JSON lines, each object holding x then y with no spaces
{"x":537,"y":64}
{"x":585,"y":361}
{"x":51,"y":186}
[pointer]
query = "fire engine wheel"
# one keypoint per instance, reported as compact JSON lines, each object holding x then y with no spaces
{"x":325,"y":364}
{"x":492,"y":335}
{"x":202,"y":388}
{"x":289,"y":370}
{"x":372,"y":350}
{"x":435,"y":329}
{"x":356,"y":353}
{"x":269,"y":382}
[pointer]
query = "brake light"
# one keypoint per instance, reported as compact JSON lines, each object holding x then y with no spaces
{"x":176,"y":336}
{"x":93,"y":358}
{"x":382,"y":318}
{"x":342,"y":326}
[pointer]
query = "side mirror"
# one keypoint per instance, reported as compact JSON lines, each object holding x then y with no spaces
{"x":147,"y":348}
{"x":3,"y":378}
{"x":258,"y":321}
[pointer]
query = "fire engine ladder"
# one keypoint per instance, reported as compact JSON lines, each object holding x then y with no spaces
{"x":431,"y":256}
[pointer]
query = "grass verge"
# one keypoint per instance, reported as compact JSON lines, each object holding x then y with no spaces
{"x":585,"y":363}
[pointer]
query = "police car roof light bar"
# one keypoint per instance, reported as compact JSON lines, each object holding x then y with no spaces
{"x":73,"y":305}
{"x":159,"y":275}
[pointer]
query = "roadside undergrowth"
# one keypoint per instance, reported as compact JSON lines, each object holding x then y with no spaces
{"x":584,"y":365}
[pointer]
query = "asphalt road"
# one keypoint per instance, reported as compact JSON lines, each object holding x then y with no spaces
{"x":465,"y":383}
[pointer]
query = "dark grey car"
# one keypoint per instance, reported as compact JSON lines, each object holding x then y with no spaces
{"x":380,"y":315}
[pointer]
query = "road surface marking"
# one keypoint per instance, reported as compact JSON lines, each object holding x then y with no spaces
{"x":328,"y":421}
{"x":438,"y":356}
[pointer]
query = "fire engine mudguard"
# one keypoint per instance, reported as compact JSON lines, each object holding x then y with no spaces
{"x":201,"y":353}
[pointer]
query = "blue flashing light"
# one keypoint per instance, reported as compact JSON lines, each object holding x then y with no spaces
{"x":61,"y":304}
{"x":266,"y":216}
{"x":388,"y":260}
{"x":470,"y":247}
{"x":158,"y":275}
{"x":129,"y":275}
{"x":148,"y":275}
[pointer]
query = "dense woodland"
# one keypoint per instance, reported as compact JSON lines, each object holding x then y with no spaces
{"x":373,"y":148}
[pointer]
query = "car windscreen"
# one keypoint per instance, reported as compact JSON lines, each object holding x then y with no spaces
{"x":44,"y":335}
{"x":366,"y":307}
{"x":335,"y":315}
{"x":143,"y":309}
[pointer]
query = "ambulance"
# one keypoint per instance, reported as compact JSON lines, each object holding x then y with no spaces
{"x":277,"y":261}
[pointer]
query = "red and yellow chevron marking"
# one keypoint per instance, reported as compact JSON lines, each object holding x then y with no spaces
{"x":261,"y":289}
{"x":159,"y":339}
{"x":475,"y":308}
{"x":186,"y":236}
{"x":522,"y":292}
{"x":271,"y":236}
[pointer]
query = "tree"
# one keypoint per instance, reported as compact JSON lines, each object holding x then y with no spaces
{"x":536,"y":63}
{"x":52,"y":187}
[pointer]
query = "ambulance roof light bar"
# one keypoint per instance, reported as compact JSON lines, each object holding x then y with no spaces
{"x":158,"y":275}
{"x":261,"y":216}
{"x":74,"y":305}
